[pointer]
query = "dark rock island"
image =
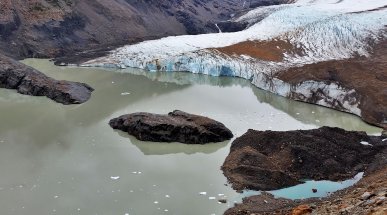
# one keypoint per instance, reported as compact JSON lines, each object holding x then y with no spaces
{"x":177,"y":126}
{"x":28,"y":81}
{"x":268,"y":160}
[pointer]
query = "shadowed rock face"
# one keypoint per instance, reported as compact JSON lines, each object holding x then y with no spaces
{"x":28,"y":81}
{"x":177,"y":126}
{"x":268,"y":160}
{"x":47,"y":28}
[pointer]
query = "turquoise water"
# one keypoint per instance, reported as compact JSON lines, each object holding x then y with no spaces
{"x":324,"y":188}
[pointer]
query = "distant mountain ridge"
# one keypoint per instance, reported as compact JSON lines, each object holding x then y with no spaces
{"x":48,"y":28}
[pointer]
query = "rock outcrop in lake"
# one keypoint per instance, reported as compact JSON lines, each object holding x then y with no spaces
{"x":28,"y":81}
{"x":177,"y":126}
{"x":269,"y":160}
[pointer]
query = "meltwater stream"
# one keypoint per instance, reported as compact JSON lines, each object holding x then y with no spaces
{"x":57,"y":159}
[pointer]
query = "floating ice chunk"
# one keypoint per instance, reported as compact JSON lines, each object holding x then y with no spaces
{"x":167,"y":196}
{"x":384,"y":139}
{"x":220,"y":194}
{"x":114,"y":177}
{"x":211,"y":198}
{"x":203,"y":193}
{"x":126,"y":213}
{"x":156,"y":202}
{"x":365,"y":143}
{"x":166,"y":210}
{"x":125,"y":93}
{"x":55,"y":197}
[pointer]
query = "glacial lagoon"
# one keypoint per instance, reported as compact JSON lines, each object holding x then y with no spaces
{"x":65,"y":160}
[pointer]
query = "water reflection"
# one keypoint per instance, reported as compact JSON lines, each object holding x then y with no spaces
{"x":305,"y":113}
{"x":152,"y":148}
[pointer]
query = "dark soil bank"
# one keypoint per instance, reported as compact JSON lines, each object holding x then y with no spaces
{"x":28,"y":81}
{"x":268,"y":160}
{"x":177,"y":126}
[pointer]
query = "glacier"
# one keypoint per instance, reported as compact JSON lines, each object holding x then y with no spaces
{"x":319,"y":30}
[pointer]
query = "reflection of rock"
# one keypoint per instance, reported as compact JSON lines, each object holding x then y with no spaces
{"x":265,"y":160}
{"x":186,"y":78}
{"x":26,"y":80}
{"x":151,"y":148}
{"x":177,"y":126}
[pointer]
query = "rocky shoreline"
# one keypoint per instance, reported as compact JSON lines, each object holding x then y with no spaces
{"x":176,"y":126}
{"x":368,"y":196}
{"x":267,"y":160}
{"x":28,"y":81}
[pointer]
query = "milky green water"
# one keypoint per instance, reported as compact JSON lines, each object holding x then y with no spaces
{"x":57,"y":159}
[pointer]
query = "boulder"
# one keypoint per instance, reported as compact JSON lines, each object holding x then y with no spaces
{"x":177,"y":126}
{"x":29,"y":81}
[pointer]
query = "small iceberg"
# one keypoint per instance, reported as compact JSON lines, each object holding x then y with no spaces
{"x":114,"y":177}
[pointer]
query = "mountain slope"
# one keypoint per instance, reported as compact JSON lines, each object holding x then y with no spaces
{"x":47,"y":28}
